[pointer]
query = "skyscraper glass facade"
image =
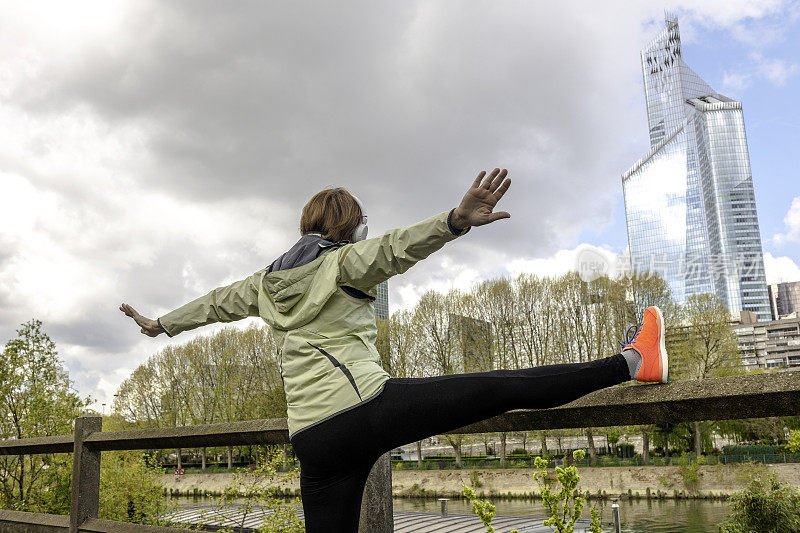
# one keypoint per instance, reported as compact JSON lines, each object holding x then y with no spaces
{"x":382,"y":300}
{"x":689,"y":203}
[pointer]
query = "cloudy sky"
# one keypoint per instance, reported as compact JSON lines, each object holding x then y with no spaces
{"x":150,"y":152}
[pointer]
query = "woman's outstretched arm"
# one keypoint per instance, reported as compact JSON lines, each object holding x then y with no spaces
{"x":225,"y":304}
{"x":364,"y":264}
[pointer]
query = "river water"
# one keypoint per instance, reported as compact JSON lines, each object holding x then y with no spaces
{"x":663,"y":516}
{"x":642,"y":516}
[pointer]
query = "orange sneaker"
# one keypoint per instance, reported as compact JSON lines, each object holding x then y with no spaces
{"x":649,"y":342}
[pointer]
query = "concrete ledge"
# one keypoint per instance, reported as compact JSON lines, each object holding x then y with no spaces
{"x":726,"y":398}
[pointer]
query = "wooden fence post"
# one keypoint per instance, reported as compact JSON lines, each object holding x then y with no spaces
{"x":377,"y":515}
{"x":85,"y":473}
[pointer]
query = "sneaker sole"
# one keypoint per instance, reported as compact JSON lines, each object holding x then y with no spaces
{"x":662,"y":347}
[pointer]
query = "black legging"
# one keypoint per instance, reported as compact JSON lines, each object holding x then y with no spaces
{"x":337,"y":455}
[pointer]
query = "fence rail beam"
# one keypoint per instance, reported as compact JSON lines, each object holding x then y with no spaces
{"x":265,"y":431}
{"x":725,"y":398}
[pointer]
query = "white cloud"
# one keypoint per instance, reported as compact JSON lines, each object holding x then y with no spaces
{"x":773,"y":70}
{"x":792,"y":221}
{"x":446,"y":270}
{"x":737,"y":81}
{"x":780,"y":269}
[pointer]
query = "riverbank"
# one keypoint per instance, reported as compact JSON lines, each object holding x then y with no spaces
{"x":716,"y":481}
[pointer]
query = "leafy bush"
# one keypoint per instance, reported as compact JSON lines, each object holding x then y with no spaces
{"x":565,"y":506}
{"x":689,"y":470}
{"x":130,"y":488}
{"x":255,"y":487}
{"x":754,"y":449}
{"x":794,"y":442}
{"x":483,"y":508}
{"x":765,"y":505}
{"x":474,"y":479}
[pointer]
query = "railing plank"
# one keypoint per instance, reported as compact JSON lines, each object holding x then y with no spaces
{"x":22,"y":522}
{"x":266,"y":431}
{"x":724,"y":398}
{"x":55,"y":444}
{"x":96,"y":525}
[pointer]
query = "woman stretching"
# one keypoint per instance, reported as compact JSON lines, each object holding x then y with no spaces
{"x":344,"y":410}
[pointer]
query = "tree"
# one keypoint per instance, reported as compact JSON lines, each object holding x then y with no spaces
{"x":230,"y":375}
{"x":36,"y":400}
{"x":704,"y":346}
{"x":708,"y":345}
{"x":436,"y":337}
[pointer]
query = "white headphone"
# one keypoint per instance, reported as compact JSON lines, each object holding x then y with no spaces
{"x":360,"y":233}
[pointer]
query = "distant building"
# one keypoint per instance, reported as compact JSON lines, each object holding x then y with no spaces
{"x":771,"y":344}
{"x":474,"y":340}
{"x":690,"y":209}
{"x":382,"y":301}
{"x":784,"y":299}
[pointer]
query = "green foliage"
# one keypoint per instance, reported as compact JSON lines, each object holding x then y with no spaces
{"x":483,"y":508}
{"x":130,"y":488}
{"x":706,"y":346}
{"x":475,"y":480}
{"x":753,"y":449}
{"x":767,"y":430}
{"x":765,"y":505}
{"x":257,"y":487}
{"x":689,"y":469}
{"x":794,"y":442}
{"x":36,"y":400}
{"x":566,"y":505}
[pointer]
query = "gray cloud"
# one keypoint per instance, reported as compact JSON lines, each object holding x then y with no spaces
{"x":168,"y":148}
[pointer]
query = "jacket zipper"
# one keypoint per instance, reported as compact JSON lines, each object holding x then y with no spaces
{"x":340,"y":366}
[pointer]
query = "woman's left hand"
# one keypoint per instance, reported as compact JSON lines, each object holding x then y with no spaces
{"x":481,"y":198}
{"x":150,"y":327}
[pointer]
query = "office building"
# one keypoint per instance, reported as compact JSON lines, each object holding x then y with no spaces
{"x":784,"y":299}
{"x":771,"y":344}
{"x":382,"y":301}
{"x":689,"y":202}
{"x":472,"y":338}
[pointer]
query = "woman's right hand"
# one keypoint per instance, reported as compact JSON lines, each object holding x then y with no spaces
{"x":477,"y":205}
{"x":150,"y":327}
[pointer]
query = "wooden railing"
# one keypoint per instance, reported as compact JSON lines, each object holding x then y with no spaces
{"x":737,"y":397}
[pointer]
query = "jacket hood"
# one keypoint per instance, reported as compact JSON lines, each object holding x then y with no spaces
{"x":299,"y":282}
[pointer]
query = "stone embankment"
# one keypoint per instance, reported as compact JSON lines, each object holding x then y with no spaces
{"x":667,"y":481}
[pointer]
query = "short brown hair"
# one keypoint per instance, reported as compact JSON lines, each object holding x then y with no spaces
{"x":332,"y":212}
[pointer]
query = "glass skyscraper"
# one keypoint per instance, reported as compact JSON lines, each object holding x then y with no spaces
{"x":689,"y":202}
{"x":382,"y":301}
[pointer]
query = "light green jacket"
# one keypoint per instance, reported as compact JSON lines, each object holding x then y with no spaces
{"x":325,"y":337}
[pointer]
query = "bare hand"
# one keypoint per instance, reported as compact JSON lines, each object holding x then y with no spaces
{"x":150,"y":327}
{"x":476,"y":206}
